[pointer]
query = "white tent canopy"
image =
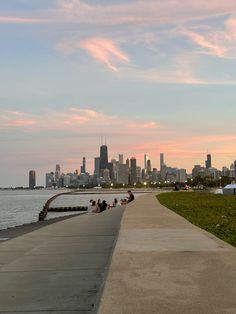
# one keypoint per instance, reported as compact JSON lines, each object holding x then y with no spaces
{"x":230,"y":186}
{"x":230,"y":189}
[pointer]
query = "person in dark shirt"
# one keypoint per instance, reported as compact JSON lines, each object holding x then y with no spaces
{"x":130,"y":197}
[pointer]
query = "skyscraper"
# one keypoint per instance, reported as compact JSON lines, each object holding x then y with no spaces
{"x":57,"y":173}
{"x":235,"y":169}
{"x":103,"y":158}
{"x":96,"y":165}
{"x":133,"y":170}
{"x":127,"y":162}
{"x":208,"y":161}
{"x":121,"y":159}
{"x":32,"y":179}
{"x":161,"y":160}
{"x":122,"y":174}
{"x":149,"y":167}
{"x":83,"y":167}
{"x":50,"y":180}
{"x":145,"y":161}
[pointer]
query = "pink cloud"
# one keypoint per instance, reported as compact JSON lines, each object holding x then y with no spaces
{"x":231,"y":29}
{"x":143,"y":12}
{"x":203,"y":42}
{"x":125,"y":135}
{"x":151,"y":125}
{"x":104,"y":51}
{"x":15,"y":119}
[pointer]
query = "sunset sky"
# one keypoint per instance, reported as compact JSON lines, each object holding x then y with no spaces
{"x":151,"y":75}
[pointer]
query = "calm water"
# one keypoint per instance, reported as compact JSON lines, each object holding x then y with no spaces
{"x":21,"y":207}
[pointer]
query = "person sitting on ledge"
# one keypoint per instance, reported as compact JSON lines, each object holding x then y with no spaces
{"x":115,"y":202}
{"x":130,"y":197}
{"x":103,"y":206}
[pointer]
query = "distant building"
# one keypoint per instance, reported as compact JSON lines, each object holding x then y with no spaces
{"x":139,"y":174}
{"x":127,"y":162}
{"x":110,"y":167}
{"x":149,"y":167}
{"x":232,"y":171}
{"x":155,"y":175}
{"x":122,"y":174}
{"x":32,"y":179}
{"x":83,"y":167}
{"x":66,"y":180}
{"x":103,"y":158}
{"x":133,"y":170}
{"x":50,"y":180}
{"x":106,"y":176}
{"x":225,"y":172}
{"x":161,"y":160}
{"x":235,"y":169}
{"x":97,"y":165}
{"x":145,"y":161}
{"x":57,"y":174}
{"x":121,"y":159}
{"x":208,"y":161}
{"x":83,"y":179}
{"x":181,"y":175}
{"x":213,"y":173}
{"x":197,"y":171}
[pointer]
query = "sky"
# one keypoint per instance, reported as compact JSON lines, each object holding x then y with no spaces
{"x":150,"y":76}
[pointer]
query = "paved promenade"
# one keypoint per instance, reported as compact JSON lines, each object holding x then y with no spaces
{"x":162,"y":264}
{"x":59,"y":268}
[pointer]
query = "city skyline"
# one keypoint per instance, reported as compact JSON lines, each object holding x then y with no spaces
{"x":99,"y":169}
{"x":153,"y":76}
{"x":115,"y":171}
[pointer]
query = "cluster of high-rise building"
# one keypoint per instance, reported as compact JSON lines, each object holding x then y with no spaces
{"x":124,"y":172}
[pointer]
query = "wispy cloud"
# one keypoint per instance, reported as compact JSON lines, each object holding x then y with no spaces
{"x":103,"y":50}
{"x":75,"y":120}
{"x":15,"y":119}
{"x":144,"y":12}
{"x":209,"y":46}
{"x":22,"y":20}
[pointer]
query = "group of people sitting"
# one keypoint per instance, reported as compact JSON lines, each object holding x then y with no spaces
{"x":99,"y":206}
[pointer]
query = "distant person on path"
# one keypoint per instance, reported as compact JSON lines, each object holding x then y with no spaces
{"x":130,"y":197}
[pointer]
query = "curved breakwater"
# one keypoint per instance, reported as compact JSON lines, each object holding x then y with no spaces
{"x":22,"y":207}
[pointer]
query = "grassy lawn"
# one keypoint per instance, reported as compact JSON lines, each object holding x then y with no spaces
{"x":213,"y":212}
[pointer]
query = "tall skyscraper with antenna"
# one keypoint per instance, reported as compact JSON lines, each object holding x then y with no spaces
{"x":103,"y":158}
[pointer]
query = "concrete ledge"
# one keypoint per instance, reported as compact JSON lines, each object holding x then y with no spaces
{"x":163,"y":264}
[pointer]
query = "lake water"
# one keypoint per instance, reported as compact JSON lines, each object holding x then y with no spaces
{"x":21,"y":207}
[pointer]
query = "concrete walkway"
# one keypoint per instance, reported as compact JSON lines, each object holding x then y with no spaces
{"x":162,"y":264}
{"x":59,"y":268}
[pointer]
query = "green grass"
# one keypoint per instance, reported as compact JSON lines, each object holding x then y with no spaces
{"x":213,"y":212}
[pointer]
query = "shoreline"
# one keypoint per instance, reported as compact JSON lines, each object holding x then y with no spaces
{"x":13,"y":232}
